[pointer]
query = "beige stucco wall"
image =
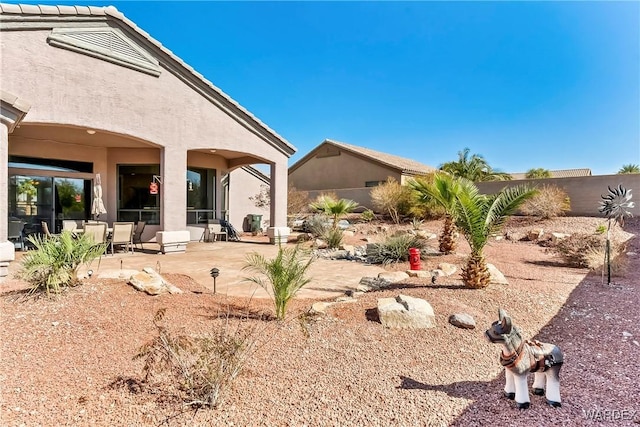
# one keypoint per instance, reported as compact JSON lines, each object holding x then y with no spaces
{"x":335,"y":172}
{"x":70,"y":89}
{"x":584,"y":192}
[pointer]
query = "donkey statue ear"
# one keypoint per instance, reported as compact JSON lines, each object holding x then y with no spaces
{"x":505,"y":321}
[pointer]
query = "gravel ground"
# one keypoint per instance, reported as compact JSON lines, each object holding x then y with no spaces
{"x":68,"y":361}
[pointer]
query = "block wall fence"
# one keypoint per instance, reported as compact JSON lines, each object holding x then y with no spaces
{"x":584,"y":192}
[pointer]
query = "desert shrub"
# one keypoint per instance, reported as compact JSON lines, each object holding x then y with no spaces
{"x":588,"y":250}
{"x":549,"y":202}
{"x":367,"y":215}
{"x":282,"y":276}
{"x":297,"y":201}
{"x":318,"y":225}
{"x":199,"y":370}
{"x":333,"y":237}
{"x":395,"y":248}
{"x":391,"y":198}
{"x":53,"y":265}
{"x":601,"y":229}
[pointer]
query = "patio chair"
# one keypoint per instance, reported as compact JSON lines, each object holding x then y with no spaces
{"x":15,"y":233}
{"x":69,"y":225}
{"x":216,"y":231}
{"x":98,"y":232}
{"x":122,"y":235}
{"x":137,"y":234}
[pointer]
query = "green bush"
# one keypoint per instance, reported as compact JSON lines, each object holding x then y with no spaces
{"x":285,"y":275}
{"x":395,"y":249}
{"x":318,"y":225}
{"x":367,"y":215}
{"x":54,"y":264}
{"x":549,"y":202}
{"x":333,"y":237}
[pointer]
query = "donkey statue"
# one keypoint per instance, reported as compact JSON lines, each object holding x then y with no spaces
{"x":519,"y":357}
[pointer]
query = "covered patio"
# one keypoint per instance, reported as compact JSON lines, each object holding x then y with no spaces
{"x":85,"y":92}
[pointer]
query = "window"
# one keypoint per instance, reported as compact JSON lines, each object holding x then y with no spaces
{"x":201,"y":195}
{"x":135,"y":202}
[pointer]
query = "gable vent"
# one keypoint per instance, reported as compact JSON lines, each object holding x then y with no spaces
{"x":109,"y":44}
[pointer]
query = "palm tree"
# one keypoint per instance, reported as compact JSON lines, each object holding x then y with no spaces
{"x":333,"y":208}
{"x":538,"y":173}
{"x":443,"y":190}
{"x":630,"y":168}
{"x":474,"y":168}
{"x":477,"y":217}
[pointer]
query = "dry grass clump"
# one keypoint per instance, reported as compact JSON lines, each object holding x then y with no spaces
{"x":549,"y":202}
{"x":588,"y":250}
{"x":199,"y":370}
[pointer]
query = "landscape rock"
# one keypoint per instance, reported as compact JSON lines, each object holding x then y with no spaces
{"x":149,"y":281}
{"x":320,"y":307}
{"x":339,"y":254}
{"x":348,"y":248}
{"x":405,"y":312}
{"x":320,"y":244}
{"x":535,"y":234}
{"x":372,"y":283}
{"x":555,"y":237}
{"x":447,"y":269}
{"x":426,"y":235}
{"x":514,"y":236}
{"x":419,"y":273}
{"x":496,"y":276}
{"x":393,"y":276}
{"x":462,"y":320}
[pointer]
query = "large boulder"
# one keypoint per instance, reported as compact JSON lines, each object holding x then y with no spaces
{"x":149,"y":281}
{"x":405,"y":312}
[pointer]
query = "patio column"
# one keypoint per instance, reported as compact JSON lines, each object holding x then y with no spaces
{"x":278,"y":230}
{"x":12,"y":111}
{"x":174,"y":189}
{"x":219,"y":193}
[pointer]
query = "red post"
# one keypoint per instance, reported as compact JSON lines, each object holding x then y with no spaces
{"x":414,"y":259}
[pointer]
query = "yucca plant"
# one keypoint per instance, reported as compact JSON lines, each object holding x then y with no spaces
{"x":395,"y":249}
{"x":441,"y":190}
{"x":333,"y":207}
{"x":282,"y":276}
{"x":478,"y":216}
{"x":54,"y":263}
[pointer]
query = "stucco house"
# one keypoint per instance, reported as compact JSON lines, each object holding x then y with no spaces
{"x":84,"y":91}
{"x":350,"y":171}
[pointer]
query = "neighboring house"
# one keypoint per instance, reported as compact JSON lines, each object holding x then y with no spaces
{"x":241,"y":204}
{"x":564,"y":173}
{"x":84,"y":91}
{"x":350,"y":171}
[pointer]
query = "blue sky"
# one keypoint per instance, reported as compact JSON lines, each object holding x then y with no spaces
{"x":525,"y":84}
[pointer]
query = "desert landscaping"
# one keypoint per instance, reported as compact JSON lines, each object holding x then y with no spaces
{"x":69,"y":360}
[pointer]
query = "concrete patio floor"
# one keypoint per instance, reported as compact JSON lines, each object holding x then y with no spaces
{"x":329,"y":278}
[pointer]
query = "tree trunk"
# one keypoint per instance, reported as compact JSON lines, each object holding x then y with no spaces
{"x":475,"y":274}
